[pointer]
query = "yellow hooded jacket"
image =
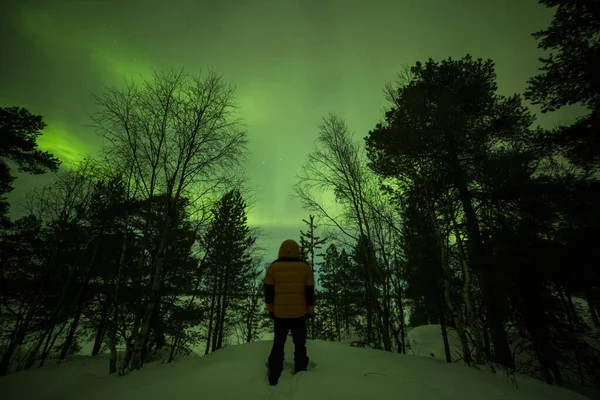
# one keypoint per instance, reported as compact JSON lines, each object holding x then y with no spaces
{"x":289,"y":284}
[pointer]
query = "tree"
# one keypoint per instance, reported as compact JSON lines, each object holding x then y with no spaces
{"x":231,"y":272}
{"x":58,"y":207}
{"x":250,"y":307}
{"x":182,"y":138}
{"x":336,"y":165}
{"x":20,"y":245}
{"x":442,"y":122}
{"x":105,"y":208}
{"x":569,"y":75}
{"x":309,"y":244}
{"x":19,"y":130}
{"x":330,"y":278}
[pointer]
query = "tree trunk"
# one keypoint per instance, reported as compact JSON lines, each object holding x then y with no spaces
{"x":31,"y":357}
{"x":502,"y":353}
{"x":60,"y":308}
{"x":160,"y":339}
{"x":444,"y":272}
{"x":384,"y":327}
{"x":337,"y":311}
{"x":16,"y":340}
{"x":211,"y":317}
{"x":336,"y":303}
{"x":443,"y":325}
{"x":249,"y":329}
{"x":593,"y":311}
{"x":571,"y":307}
{"x":48,"y":347}
{"x":129,"y":343}
{"x":480,"y":354}
{"x":157,"y":333}
{"x":464,"y":344}
{"x":151,"y":331}
{"x":402,"y":325}
{"x":174,"y":345}
{"x":48,"y":341}
{"x":79,"y":301}
{"x":71,"y":334}
{"x":224,"y":306}
{"x":138,"y":345}
{"x":347,"y":318}
{"x":543,"y":350}
{"x":112,"y":345}
{"x":251,"y":314}
{"x":101,"y":328}
{"x":113,"y":308}
{"x":369,"y":312}
{"x":190,"y":303}
{"x":400,"y":304}
{"x":387,"y":342}
{"x":396,"y":333}
{"x":486,"y":337}
{"x":218,"y":312}
{"x":20,"y":332}
{"x":210,"y":323}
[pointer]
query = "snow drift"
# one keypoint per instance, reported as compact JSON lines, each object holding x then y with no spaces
{"x":238,"y":372}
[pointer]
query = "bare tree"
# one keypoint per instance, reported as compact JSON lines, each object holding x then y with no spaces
{"x":57,"y":205}
{"x":181,"y":134}
{"x":336,"y":165}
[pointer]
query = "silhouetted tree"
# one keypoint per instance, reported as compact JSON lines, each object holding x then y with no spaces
{"x":444,"y":119}
{"x":230,"y":271}
{"x":336,"y":165}
{"x":19,"y":130}
{"x":569,"y":75}
{"x":182,"y":138}
{"x":310,"y":244}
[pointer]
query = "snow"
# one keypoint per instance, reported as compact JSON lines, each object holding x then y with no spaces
{"x":427,"y":341}
{"x":238,"y":372}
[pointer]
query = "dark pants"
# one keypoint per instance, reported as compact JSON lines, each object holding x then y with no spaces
{"x":282,"y":327}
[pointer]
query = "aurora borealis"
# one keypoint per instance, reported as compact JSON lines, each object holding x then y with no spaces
{"x":292,"y":62}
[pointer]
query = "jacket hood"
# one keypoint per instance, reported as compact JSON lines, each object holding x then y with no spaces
{"x":289,"y":248}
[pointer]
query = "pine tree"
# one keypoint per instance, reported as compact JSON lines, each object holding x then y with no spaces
{"x":309,"y":244}
{"x":569,"y":75}
{"x":229,"y":260}
{"x":330,"y":280}
{"x":444,"y":120}
{"x":19,"y":130}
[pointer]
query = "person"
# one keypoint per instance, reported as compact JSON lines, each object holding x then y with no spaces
{"x":289,"y":288}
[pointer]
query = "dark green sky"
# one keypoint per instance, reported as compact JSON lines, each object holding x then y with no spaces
{"x":292,"y":61}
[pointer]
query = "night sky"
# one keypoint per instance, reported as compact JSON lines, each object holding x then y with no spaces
{"x":292,"y":62}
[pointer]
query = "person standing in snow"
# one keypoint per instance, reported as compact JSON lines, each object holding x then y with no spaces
{"x":289,"y":287}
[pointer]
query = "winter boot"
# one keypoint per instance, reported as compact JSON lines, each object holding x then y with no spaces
{"x":273,"y":380}
{"x":300,"y":368}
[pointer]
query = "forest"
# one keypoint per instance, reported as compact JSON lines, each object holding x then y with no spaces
{"x":455,"y":209}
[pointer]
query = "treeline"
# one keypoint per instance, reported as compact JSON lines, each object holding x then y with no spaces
{"x":148,"y":248}
{"x":462,"y":212}
{"x":455,"y":211}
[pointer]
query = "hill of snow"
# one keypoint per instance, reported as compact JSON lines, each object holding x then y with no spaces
{"x":427,"y":341}
{"x":238,"y":372}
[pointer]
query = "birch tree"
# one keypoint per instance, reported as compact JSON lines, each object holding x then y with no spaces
{"x":182,"y":136}
{"x":336,"y":166}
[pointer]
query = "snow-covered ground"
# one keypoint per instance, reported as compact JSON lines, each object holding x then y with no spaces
{"x":238,"y":372}
{"x":427,"y":341}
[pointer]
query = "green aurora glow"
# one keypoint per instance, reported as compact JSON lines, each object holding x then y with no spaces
{"x":292,"y":62}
